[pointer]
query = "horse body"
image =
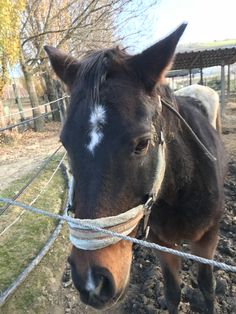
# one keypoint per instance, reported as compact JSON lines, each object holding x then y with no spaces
{"x":114,"y":133}
{"x":208,"y":98}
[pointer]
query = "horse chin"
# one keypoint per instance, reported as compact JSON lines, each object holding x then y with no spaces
{"x":95,"y":303}
{"x":100,"y":305}
{"x":120,"y":295}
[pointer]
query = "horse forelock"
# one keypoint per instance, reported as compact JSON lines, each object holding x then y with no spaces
{"x":94,"y":68}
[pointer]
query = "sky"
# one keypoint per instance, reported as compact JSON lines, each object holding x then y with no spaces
{"x":208,"y":20}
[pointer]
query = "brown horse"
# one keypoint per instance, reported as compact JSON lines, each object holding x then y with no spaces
{"x":126,"y":146}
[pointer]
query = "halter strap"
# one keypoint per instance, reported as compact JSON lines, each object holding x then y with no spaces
{"x":125,"y":223}
{"x":86,"y":239}
{"x":194,"y":135}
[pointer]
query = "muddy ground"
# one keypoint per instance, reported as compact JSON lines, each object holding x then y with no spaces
{"x":145,"y":293}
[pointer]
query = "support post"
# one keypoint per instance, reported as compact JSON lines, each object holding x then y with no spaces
{"x":18,"y":101}
{"x":61,"y":107}
{"x":201,"y":76}
{"x":228,"y":83}
{"x":235,"y":81}
{"x":172,"y":83}
{"x":222,"y":87}
{"x":190,"y":76}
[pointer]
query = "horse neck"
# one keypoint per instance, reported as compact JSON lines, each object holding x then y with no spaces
{"x":180,"y":161}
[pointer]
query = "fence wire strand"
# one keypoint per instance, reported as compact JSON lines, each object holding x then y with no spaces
{"x":4,"y":295}
{"x":33,"y":108}
{"x":22,"y":190}
{"x":36,"y":198}
{"x":27,"y":121}
{"x":150,"y":245}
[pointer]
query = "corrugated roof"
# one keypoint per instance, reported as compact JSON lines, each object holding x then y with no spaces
{"x":185,"y":72}
{"x":204,"y":58}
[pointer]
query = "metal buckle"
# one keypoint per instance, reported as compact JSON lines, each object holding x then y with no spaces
{"x":146,"y":232}
{"x":148,"y":207}
{"x":70,"y":208}
{"x":149,"y":203}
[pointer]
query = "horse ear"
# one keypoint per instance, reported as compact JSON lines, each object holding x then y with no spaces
{"x":64,"y":65}
{"x":152,"y":63}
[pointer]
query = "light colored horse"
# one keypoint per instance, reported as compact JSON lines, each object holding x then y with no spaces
{"x":209,"y":99}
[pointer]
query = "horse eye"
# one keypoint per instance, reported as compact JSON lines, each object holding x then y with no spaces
{"x":142,"y":146}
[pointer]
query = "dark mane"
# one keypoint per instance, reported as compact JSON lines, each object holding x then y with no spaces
{"x":96,"y":66}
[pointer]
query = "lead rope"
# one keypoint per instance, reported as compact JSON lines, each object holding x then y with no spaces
{"x":196,"y":138}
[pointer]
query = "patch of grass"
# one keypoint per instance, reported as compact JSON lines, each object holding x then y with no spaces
{"x":220,"y":43}
{"x":207,"y":45}
{"x":6,"y":139}
{"x":40,"y":293}
{"x":27,"y":236}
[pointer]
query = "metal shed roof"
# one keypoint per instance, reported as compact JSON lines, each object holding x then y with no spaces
{"x":204,"y":58}
{"x":185,"y":72}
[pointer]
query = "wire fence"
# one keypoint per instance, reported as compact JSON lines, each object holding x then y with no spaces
{"x":146,"y":244}
{"x":61,"y":108}
{"x":4,"y":295}
{"x":25,"y":187}
{"x":36,"y":198}
{"x":27,"y":121}
{"x":33,"y":108}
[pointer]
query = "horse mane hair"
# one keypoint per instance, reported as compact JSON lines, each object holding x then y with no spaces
{"x":95,"y":66}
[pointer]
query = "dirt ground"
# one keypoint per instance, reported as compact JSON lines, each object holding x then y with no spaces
{"x":145,"y":293}
{"x":23,"y":152}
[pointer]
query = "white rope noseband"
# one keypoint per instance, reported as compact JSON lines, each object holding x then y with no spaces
{"x":87,"y":239}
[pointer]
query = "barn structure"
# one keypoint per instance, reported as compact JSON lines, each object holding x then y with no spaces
{"x":205,"y":58}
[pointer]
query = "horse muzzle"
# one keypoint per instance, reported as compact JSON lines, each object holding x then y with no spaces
{"x":98,"y":289}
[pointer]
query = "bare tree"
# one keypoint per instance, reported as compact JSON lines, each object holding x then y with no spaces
{"x":75,"y":26}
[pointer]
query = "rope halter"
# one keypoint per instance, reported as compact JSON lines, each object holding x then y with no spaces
{"x":125,"y":223}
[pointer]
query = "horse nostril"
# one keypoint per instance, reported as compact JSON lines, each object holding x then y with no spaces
{"x":96,"y":287}
{"x":100,"y":285}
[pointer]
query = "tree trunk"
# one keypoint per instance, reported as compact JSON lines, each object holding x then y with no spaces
{"x":2,"y":122}
{"x":3,"y":81}
{"x":51,"y":93}
{"x":39,"y":122}
{"x":18,"y":102}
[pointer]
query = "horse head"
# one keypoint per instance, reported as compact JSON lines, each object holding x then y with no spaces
{"x":115,"y":138}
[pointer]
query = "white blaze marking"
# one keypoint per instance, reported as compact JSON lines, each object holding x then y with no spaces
{"x":90,"y":284}
{"x":96,"y":120}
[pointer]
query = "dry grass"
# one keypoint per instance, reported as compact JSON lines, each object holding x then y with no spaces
{"x":23,"y":240}
{"x":20,"y":140}
{"x":41,"y":292}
